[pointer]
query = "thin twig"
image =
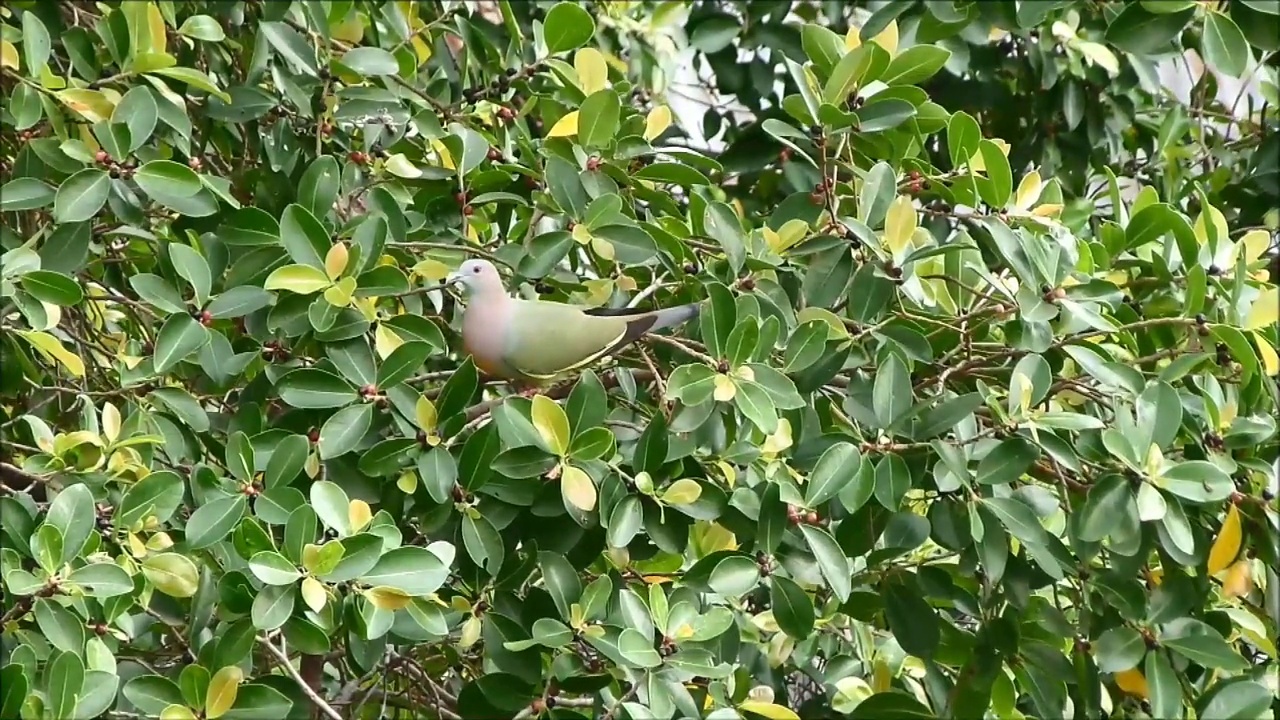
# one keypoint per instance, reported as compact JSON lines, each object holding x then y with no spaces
{"x":310,"y":692}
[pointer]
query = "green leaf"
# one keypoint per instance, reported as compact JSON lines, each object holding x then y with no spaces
{"x":273,"y":606}
{"x":273,"y":568}
{"x":72,"y":512}
{"x":25,"y":193}
{"x":64,"y":683}
{"x":722,"y":224}
{"x":292,"y":46}
{"x":304,"y":237}
{"x":1140,"y":32}
{"x":1163,"y":687}
{"x":81,"y":196}
{"x":370,"y":61}
{"x":212,"y":521}
{"x":892,"y":391}
{"x":1235,"y":698}
{"x":344,"y":430}
{"x":1118,"y":649}
{"x":1204,"y":646}
{"x":824,"y":47}
{"x":403,"y":362}
{"x":332,"y":506}
{"x":1007,"y":461}
{"x":310,"y":388}
{"x":598,"y":119}
{"x":202,"y":27}
{"x":151,"y":694}
{"x":179,"y":338}
{"x":238,"y":302}
{"x":165,"y":178}
{"x":567,"y":26}
{"x":792,"y":608}
{"x":914,"y":623}
{"x":1018,"y":518}
{"x":551,"y":423}
{"x":101,"y":580}
{"x":1224,"y":45}
{"x":832,"y":563}
{"x":997,"y":190}
{"x":836,"y":468}
{"x":194,"y":269}
{"x":51,"y":287}
{"x":915,"y":64}
{"x":412,"y":570}
{"x":60,"y":627}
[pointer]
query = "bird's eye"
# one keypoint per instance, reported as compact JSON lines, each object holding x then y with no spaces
{"x":476,"y":270}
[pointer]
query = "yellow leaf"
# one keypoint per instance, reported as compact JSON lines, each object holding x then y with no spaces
{"x":658,"y":120}
{"x":1265,"y":311}
{"x":110,"y":422}
{"x":710,"y":537}
{"x":421,"y":49}
{"x":470,"y":632}
{"x":1132,"y":682}
{"x":552,"y":424}
{"x":888,"y":38}
{"x":1266,"y":353}
{"x":408,"y":482}
{"x":8,"y":55}
{"x":836,"y":329}
{"x":336,"y":260}
{"x":385,"y":340}
{"x":388,"y":598}
{"x":682,"y":492}
{"x":725,"y":389}
{"x":1028,"y":191}
{"x":777,"y":442}
{"x":222,"y":691}
{"x":899,"y":225}
{"x":50,"y":345}
{"x":400,"y":166}
{"x":424,"y":413}
{"x":1252,"y":245}
{"x":577,"y":488}
{"x":1227,"y":545}
{"x":853,"y":39}
{"x":565,"y":126}
{"x":446,"y":159}
{"x":1099,"y":55}
{"x":313,"y":594}
{"x":1238,"y":580}
{"x":731,"y":474}
{"x":581,"y":234}
{"x":351,"y":31}
{"x":769,"y":710}
{"x":92,"y":105}
{"x":593,"y":73}
{"x":342,"y":293}
{"x":359,"y":514}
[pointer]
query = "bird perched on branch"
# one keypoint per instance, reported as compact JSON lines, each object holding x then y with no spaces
{"x":533,"y":342}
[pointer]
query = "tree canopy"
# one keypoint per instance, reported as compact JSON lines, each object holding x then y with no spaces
{"x":978,"y":418}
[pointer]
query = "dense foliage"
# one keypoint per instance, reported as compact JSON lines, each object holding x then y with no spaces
{"x":978,"y":417}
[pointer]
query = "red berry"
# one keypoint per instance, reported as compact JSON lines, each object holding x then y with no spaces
{"x":593,"y":164}
{"x":194,"y":163}
{"x":368,"y":390}
{"x":358,"y":157}
{"x":206,"y":318}
{"x":505,"y":114}
{"x":793,"y":515}
{"x":468,"y":210}
{"x":817,"y":199}
{"x":811,"y":517}
{"x":785,"y":155}
{"x":313,"y":435}
{"x":102,"y":157}
{"x":461,"y":198}
{"x":495,"y":154}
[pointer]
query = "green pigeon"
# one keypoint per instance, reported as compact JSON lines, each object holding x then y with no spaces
{"x":532,"y":342}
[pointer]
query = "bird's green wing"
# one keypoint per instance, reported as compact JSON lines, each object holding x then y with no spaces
{"x":545,"y":339}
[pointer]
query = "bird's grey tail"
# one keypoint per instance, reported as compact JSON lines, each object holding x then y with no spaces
{"x":670,"y":317}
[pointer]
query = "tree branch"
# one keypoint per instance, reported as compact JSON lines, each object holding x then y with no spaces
{"x":283,"y":660}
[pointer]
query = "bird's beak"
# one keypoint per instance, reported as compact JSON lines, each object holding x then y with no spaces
{"x":453,"y":278}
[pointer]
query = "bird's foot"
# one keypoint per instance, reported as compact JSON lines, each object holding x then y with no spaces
{"x":528,"y":391}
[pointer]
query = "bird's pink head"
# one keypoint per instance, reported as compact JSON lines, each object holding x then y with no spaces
{"x":477,"y":277}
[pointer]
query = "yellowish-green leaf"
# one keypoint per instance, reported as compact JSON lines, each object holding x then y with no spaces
{"x":359,"y":514}
{"x":313,"y":593}
{"x":593,"y":72}
{"x":657,"y":122}
{"x":682,"y":492}
{"x":300,"y":279}
{"x":50,"y":345}
{"x":400,"y":166}
{"x":470,"y":632}
{"x":388,"y":598}
{"x":581,"y":234}
{"x":1238,"y":580}
{"x":899,"y":225}
{"x":1099,"y":55}
{"x":110,"y":422}
{"x":1265,"y":311}
{"x":335,"y":261}
{"x":725,"y":389}
{"x":1227,"y":545}
{"x":424,"y":413}
{"x":432,"y":270}
{"x":552,"y":424}
{"x":1252,"y":245}
{"x":385,"y":341}
{"x":769,"y":710}
{"x":1028,"y":191}
{"x":853,"y":39}
{"x":172,"y":574}
{"x":577,"y":488}
{"x":565,"y":126}
{"x":341,"y":293}
{"x":407,"y":482}
{"x":177,"y":712}
{"x":837,"y":328}
{"x":223,"y":688}
{"x":603,"y":248}
{"x":195,"y":79}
